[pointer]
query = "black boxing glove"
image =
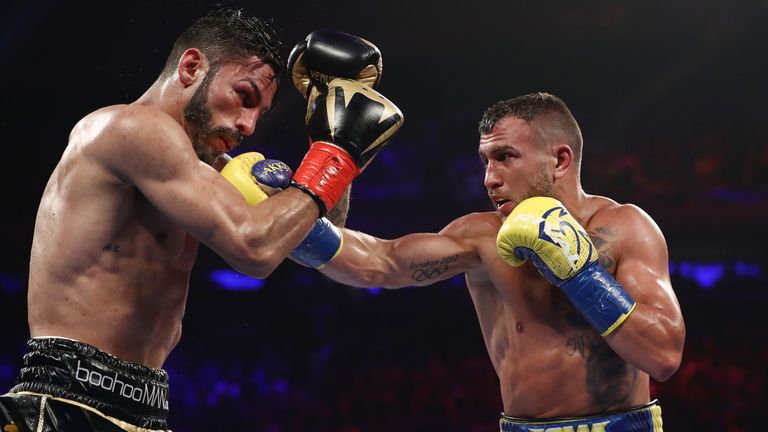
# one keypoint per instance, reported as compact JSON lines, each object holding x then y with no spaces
{"x":347,"y":124}
{"x":327,"y":54}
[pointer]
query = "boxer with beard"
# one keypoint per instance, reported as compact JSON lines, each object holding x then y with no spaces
{"x":137,"y":189}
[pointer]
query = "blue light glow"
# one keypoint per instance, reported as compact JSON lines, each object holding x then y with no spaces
{"x":231,"y":280}
{"x":746,"y":270}
{"x":706,"y":275}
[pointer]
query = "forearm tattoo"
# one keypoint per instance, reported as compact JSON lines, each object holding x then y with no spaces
{"x":431,"y":269}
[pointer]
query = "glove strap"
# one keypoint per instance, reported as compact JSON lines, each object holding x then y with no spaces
{"x":599,"y":298}
{"x":321,"y":245}
{"x":325,"y":173}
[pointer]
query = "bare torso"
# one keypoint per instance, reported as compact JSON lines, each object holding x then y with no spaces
{"x":106,"y":268}
{"x":550,"y":362}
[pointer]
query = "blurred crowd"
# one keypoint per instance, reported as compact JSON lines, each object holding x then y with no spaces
{"x":663,"y":170}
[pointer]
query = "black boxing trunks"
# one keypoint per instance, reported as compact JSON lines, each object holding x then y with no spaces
{"x":646,"y":418}
{"x":65,"y":385}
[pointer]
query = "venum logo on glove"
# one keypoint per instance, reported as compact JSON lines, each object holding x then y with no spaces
{"x":574,"y":244}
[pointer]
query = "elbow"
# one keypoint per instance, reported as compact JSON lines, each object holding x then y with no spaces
{"x":667,"y":363}
{"x":255,"y":265}
{"x":665,"y":368}
{"x":669,"y":355}
{"x":257,"y":259}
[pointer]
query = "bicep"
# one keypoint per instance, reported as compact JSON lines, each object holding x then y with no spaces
{"x":197,"y":199}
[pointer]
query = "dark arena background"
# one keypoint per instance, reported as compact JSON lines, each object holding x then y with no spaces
{"x":671,"y":98}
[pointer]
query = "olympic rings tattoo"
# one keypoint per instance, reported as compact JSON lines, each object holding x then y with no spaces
{"x":422,"y":274}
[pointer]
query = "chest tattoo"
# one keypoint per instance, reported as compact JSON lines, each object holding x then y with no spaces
{"x":111,"y":247}
{"x":610,"y":380}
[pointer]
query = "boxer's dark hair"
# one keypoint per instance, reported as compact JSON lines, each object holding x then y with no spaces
{"x":226,"y":34}
{"x":537,"y":106}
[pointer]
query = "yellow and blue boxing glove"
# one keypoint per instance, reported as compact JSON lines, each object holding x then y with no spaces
{"x":541,"y":230}
{"x":257,"y":179}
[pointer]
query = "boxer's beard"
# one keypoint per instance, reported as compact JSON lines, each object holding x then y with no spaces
{"x":541,"y":185}
{"x":198,"y":118}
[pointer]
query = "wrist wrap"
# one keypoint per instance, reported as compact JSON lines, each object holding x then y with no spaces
{"x":325,"y":173}
{"x":599,"y":298}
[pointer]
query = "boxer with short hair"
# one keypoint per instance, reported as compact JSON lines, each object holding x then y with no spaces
{"x":138,"y":188}
{"x":572,"y":290}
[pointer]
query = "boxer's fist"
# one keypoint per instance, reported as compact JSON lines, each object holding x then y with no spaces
{"x":540,"y":229}
{"x":272,"y":175}
{"x":258,"y":179}
{"x":354,"y":117}
{"x":255,"y":177}
{"x":326,"y":55}
{"x":238,"y":172}
{"x":347,"y":124}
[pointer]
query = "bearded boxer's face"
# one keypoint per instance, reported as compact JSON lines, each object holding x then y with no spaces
{"x":226,"y":106}
{"x":198,"y":119}
{"x":516,"y":167}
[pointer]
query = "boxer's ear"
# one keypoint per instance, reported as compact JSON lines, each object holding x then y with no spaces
{"x":192,"y":66}
{"x":563,"y":155}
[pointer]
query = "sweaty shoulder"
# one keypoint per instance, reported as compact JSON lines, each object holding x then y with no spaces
{"x":120,"y":136}
{"x":608,"y":211}
{"x":626,"y":225}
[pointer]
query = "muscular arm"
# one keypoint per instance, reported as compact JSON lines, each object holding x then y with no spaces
{"x":150,"y":151}
{"x":652,"y":338}
{"x":415,"y":259}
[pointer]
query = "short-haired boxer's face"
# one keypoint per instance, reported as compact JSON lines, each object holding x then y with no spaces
{"x":517,"y":164}
{"x":226,"y":105}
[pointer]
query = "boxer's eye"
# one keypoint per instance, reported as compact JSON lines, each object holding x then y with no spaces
{"x":246,"y":98}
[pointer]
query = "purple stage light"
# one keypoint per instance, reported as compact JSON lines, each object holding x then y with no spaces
{"x":746,"y":270}
{"x":231,"y":280}
{"x":706,"y":275}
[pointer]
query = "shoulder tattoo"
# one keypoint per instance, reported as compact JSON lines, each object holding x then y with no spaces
{"x":605,"y":241}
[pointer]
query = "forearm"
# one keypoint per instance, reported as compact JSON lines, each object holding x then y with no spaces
{"x":648,"y":337}
{"x":412,"y":260}
{"x":651,"y":340}
{"x":271,"y":231}
{"x":365,"y":262}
